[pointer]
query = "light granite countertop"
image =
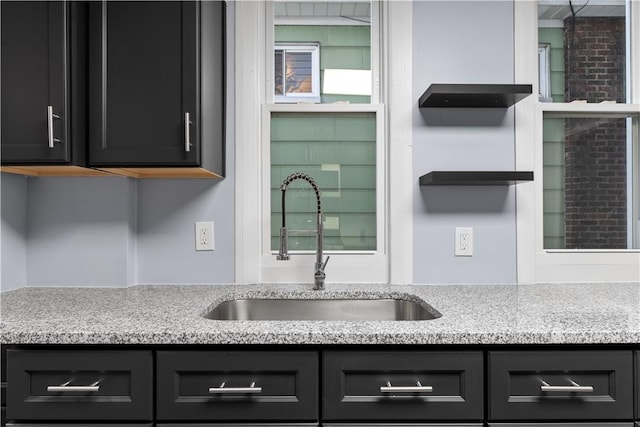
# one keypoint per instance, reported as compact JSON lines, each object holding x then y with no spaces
{"x":471,"y":314}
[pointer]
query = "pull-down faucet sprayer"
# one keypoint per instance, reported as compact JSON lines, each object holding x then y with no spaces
{"x":283,"y":252}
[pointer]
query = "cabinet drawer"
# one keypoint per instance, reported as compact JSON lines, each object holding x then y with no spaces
{"x":240,"y":425}
{"x":78,"y":425}
{"x":79,"y":385}
{"x":242,"y":385}
{"x":561,"y":424}
{"x":543,"y":385}
{"x":402,"y":386}
{"x":399,"y":425}
{"x":637,"y":384}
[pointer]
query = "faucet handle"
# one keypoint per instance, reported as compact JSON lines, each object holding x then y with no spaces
{"x":326,"y":261}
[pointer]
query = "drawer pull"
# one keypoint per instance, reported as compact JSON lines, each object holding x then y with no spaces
{"x":235,"y":390}
{"x":66,"y":387}
{"x":573,"y":388}
{"x":418,"y":388}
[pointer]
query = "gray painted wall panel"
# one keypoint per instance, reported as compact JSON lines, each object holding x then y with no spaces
{"x":167,"y":211}
{"x":463,"y":42}
{"x":79,"y":231}
{"x":13,"y":231}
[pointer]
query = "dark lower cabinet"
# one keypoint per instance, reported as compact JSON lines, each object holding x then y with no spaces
{"x":399,"y":425}
{"x":637,"y":383}
{"x":43,"y":107}
{"x":237,"y":386}
{"x":65,"y":385}
{"x":402,"y":385}
{"x":78,"y":425}
{"x":561,"y":385}
{"x":582,"y":424}
{"x":207,"y":386}
{"x":239,"y":425}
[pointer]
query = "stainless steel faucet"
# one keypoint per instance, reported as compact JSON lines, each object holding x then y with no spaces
{"x":283,"y":252}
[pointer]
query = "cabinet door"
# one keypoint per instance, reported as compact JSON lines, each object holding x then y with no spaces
{"x":237,"y":385}
{"x":144,"y":82}
{"x":86,"y":385}
{"x":560,"y":385}
{"x":34,"y":81}
{"x":402,"y":386}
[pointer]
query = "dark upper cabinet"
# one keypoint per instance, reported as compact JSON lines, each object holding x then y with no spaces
{"x":43,"y":78}
{"x":156,"y":67}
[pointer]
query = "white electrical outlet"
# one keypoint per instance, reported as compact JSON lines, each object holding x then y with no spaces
{"x":204,"y":236}
{"x":464,"y":241}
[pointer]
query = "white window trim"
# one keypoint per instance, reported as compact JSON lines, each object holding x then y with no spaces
{"x":314,"y":96}
{"x":535,"y":264}
{"x":256,"y":90}
{"x":544,"y":93}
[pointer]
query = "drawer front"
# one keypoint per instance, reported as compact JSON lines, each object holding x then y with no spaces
{"x":399,"y":425}
{"x":364,"y":386}
{"x":561,"y":424}
{"x":79,"y":385}
{"x":237,"y":385}
{"x":637,"y":384}
{"x":240,"y":425}
{"x":543,"y":385}
{"x":78,"y":425}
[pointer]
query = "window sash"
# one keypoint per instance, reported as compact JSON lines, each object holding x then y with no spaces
{"x":535,"y":264}
{"x":368,"y":266}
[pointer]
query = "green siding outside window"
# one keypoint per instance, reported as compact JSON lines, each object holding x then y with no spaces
{"x":339,"y":151}
{"x":341,"y":47}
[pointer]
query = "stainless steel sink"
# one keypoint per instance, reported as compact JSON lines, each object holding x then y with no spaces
{"x":321,"y":309}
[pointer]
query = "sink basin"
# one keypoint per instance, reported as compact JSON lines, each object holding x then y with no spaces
{"x":321,"y":309}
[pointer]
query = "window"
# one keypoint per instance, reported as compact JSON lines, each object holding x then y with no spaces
{"x":350,"y":37}
{"x":584,"y":140}
{"x":339,"y":143}
{"x":297,"y":72}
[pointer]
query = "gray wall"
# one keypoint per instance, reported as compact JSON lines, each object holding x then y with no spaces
{"x":463,"y":42}
{"x":81,"y":231}
{"x":167,"y":210}
{"x":13,"y":232}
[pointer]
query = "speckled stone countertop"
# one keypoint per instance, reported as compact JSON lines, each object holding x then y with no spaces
{"x":471,"y":314}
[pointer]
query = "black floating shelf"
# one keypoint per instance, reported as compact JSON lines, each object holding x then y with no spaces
{"x":473,"y":95}
{"x":475,"y":178}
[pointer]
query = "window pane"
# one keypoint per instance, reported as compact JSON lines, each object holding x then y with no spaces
{"x":343,"y":31}
{"x":278,"y":63}
{"x":298,"y":72}
{"x":587,"y":50}
{"x":588,"y":184}
{"x":339,"y":151}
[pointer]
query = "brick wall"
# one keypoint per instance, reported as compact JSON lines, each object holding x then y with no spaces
{"x":595,"y":150}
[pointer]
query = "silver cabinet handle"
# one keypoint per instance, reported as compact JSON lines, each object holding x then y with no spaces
{"x":187,"y":133}
{"x":573,"y":388}
{"x":411,"y":389}
{"x":235,"y":390}
{"x":66,"y":387}
{"x":50,"y":117}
